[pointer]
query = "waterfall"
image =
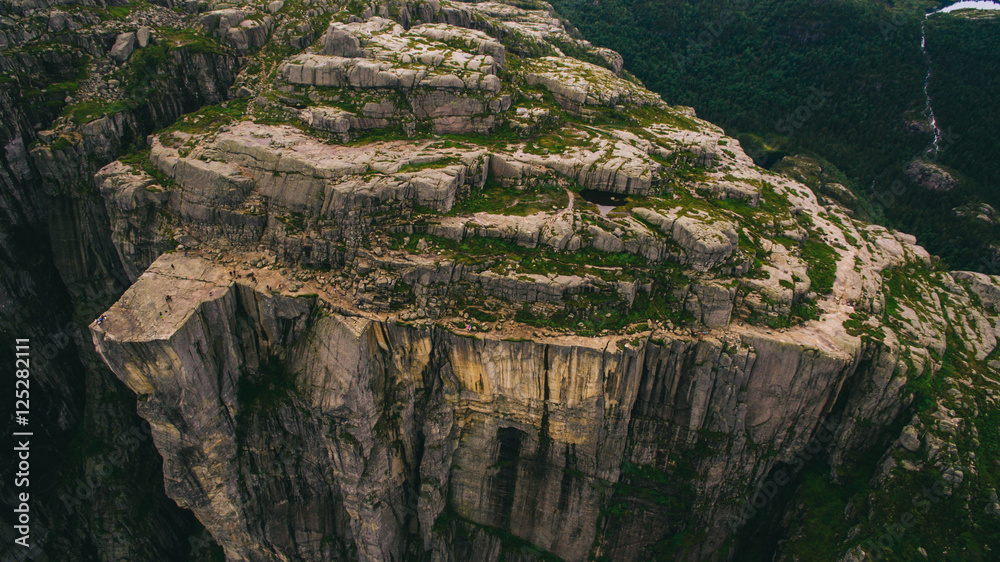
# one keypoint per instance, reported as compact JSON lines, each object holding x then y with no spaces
{"x":927,"y":82}
{"x":965,"y":5}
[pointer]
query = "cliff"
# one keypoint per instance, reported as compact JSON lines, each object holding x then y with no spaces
{"x":374,"y":313}
{"x":392,"y":433}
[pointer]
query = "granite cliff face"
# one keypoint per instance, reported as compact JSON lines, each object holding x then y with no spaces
{"x":373,"y":316}
{"x":397,"y":432}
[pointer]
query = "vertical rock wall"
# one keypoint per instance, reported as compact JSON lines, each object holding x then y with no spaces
{"x":294,"y":433}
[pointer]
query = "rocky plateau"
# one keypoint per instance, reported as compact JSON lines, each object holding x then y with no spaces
{"x":348,"y":265}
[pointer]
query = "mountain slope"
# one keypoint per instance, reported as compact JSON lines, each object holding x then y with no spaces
{"x":376,"y":310}
{"x":841,"y":82}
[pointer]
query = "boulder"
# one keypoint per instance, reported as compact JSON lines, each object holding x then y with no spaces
{"x":341,"y":43}
{"x":123,"y":47}
{"x":58,"y":21}
{"x":909,"y":439}
{"x":142,"y":36}
{"x":327,"y":119}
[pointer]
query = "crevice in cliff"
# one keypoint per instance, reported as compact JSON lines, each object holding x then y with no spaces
{"x":543,"y":427}
{"x":505,"y":481}
{"x":539,"y":465}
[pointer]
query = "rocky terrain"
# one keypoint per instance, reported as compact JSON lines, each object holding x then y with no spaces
{"x":372,"y":311}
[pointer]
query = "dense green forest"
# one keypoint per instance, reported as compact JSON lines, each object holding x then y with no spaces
{"x":965,"y":89}
{"x":839,"y":81}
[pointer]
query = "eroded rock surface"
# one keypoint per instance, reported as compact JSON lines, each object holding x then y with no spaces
{"x":374,"y":314}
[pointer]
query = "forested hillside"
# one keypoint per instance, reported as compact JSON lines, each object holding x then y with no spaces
{"x":841,"y":82}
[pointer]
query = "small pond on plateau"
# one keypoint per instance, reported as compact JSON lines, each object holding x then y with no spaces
{"x":605,"y":200}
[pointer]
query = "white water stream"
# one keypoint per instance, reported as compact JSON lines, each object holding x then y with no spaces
{"x":967,"y":5}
